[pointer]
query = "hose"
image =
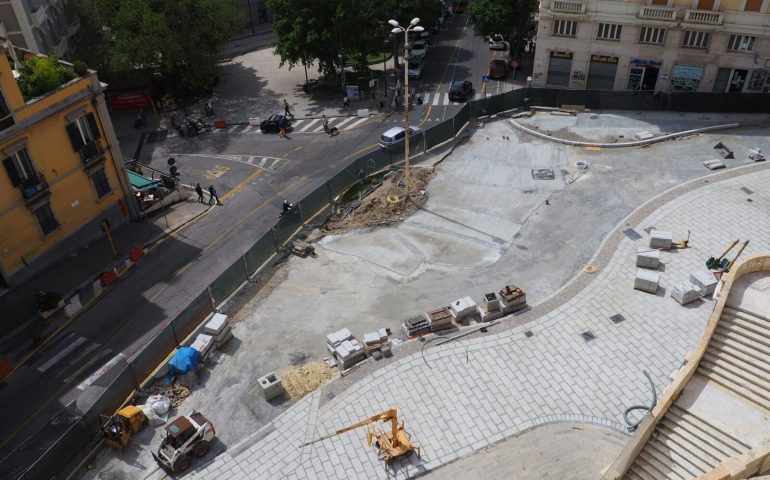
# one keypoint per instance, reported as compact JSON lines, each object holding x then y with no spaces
{"x":632,"y":426}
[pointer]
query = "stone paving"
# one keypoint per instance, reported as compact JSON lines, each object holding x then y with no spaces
{"x":467,"y":394}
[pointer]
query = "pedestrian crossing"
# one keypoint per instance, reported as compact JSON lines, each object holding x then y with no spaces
{"x":304,"y":125}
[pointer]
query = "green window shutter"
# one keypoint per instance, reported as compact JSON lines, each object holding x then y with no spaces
{"x":75,"y":137}
{"x":93,"y":127}
{"x":13,"y":174}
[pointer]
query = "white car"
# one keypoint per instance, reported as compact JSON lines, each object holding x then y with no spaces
{"x":395,"y":136}
{"x":420,"y":47}
{"x":496,"y":42}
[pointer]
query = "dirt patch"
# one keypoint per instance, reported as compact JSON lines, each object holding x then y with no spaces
{"x":175,"y":392}
{"x":383,"y":205}
{"x":306,"y":379}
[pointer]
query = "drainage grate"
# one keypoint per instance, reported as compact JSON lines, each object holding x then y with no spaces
{"x":617,"y":318}
{"x":747,"y":191}
{"x":543,"y":174}
{"x":631,"y":233}
{"x":528,"y":333}
{"x":588,"y":335}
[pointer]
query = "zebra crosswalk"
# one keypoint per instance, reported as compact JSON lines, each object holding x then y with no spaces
{"x":64,"y":358}
{"x":304,"y":125}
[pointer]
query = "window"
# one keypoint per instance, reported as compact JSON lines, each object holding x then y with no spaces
{"x":753,"y":6}
{"x":741,"y":43}
{"x":695,"y":39}
{"x":19,"y":167}
{"x":609,"y":31}
{"x":651,"y":35}
{"x":565,"y":28}
{"x":101,"y":184}
{"x":83,"y":131}
{"x":45,"y":218}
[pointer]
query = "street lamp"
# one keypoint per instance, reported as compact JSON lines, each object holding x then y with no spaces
{"x":413,"y":27}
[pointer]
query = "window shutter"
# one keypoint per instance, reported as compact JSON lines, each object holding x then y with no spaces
{"x":75,"y":138}
{"x":13,"y":174}
{"x":92,"y":126}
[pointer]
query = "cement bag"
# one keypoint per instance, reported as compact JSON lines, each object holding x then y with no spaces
{"x":156,"y":409}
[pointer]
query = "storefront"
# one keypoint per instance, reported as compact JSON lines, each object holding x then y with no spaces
{"x":559,"y":68}
{"x":601,"y":72}
{"x":686,"y":78}
{"x":643,"y":74}
{"x":732,"y":80}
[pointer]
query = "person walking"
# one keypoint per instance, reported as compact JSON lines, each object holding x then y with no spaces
{"x":213,"y":195}
{"x":325,"y":123}
{"x":286,"y":111}
{"x":209,"y":108}
{"x":346,"y":102}
{"x":282,"y":127}
{"x":199,"y":191}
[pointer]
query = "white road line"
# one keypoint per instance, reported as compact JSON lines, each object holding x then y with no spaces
{"x":246,"y":130}
{"x":101,"y":371}
{"x":251,"y":160}
{"x":354,"y":124}
{"x":446,"y":99}
{"x":339,"y":125}
{"x":310,"y":124}
{"x":63,"y":353}
{"x":80,"y":355}
{"x":436,"y":98}
{"x":263,"y":162}
{"x":296,"y":124}
{"x":233,"y":129}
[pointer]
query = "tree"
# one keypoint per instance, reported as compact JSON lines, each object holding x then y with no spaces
{"x":38,"y":75}
{"x":178,"y":40}
{"x":506,"y":17}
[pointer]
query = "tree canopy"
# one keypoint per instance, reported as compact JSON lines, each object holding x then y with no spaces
{"x":321,"y":30}
{"x":176,"y":39}
{"x":506,"y":17}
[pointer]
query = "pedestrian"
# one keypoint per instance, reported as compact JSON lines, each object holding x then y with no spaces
{"x":286,"y":111}
{"x":213,"y":195}
{"x":398,"y":85}
{"x":210,"y":108}
{"x":325,"y":123}
{"x":282,"y":127}
{"x":346,"y":102}
{"x":199,"y":191}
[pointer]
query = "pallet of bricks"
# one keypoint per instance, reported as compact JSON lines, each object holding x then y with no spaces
{"x":345,"y":348}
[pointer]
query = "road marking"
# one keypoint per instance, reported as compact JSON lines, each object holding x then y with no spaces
{"x":356,"y":123}
{"x":339,"y":125}
{"x":101,"y":371}
{"x":262,"y":162}
{"x":241,"y":186}
{"x":85,"y":352}
{"x":63,"y":353}
{"x":246,"y":130}
{"x":436,"y":98}
{"x":233,"y":129}
{"x":217,"y":172}
{"x":296,"y":124}
{"x":298,"y":148}
{"x":446,"y":99}
{"x":310,"y":124}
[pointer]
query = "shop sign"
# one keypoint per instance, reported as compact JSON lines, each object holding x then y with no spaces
{"x":646,"y":63}
{"x":567,"y":55}
{"x":604,"y":59}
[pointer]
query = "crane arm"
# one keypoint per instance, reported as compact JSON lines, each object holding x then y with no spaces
{"x":389,"y":414}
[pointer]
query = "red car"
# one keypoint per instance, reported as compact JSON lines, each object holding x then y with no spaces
{"x":498,"y":70}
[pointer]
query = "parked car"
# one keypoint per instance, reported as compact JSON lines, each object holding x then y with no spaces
{"x":271,"y":124}
{"x":498,"y":70}
{"x":496,"y":42}
{"x":396,"y":136}
{"x":415,"y":66}
{"x":460,"y":91}
{"x":420,"y":47}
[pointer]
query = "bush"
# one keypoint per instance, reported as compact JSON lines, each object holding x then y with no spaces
{"x":39,"y":75}
{"x":80,"y":67}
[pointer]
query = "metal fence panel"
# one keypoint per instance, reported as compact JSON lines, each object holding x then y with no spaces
{"x":514,"y":98}
{"x":315,"y":200}
{"x":190,"y":317}
{"x":228,"y":281}
{"x":286,"y":227}
{"x":342,"y":180}
{"x":462,"y":117}
{"x":439,"y":133}
{"x":147,"y":359}
{"x":260,"y":252}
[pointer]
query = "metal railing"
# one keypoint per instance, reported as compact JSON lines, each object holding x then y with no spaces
{"x":703,"y":17}
{"x":568,"y":6}
{"x":654,"y":12}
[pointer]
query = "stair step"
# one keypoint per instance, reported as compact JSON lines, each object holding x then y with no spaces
{"x":669,"y":456}
{"x":763,"y":316}
{"x":731,"y":445}
{"x":737,"y":334}
{"x":665,"y":470}
{"x":738,"y":375}
{"x":737,"y":386}
{"x":697,"y":447}
{"x":636,"y":472}
{"x":757,"y":330}
{"x":741,"y":350}
{"x":749,"y":365}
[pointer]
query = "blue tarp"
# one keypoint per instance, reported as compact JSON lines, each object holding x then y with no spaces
{"x":186,"y":359}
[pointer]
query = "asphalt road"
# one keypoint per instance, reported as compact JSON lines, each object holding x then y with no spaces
{"x":253,"y":173}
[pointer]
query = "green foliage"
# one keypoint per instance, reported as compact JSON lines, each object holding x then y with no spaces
{"x":178,"y":40}
{"x":39,"y":75}
{"x":46,"y":300}
{"x":506,"y":17}
{"x":80,"y":67}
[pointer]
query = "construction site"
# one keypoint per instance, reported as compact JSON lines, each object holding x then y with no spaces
{"x":549,"y":272}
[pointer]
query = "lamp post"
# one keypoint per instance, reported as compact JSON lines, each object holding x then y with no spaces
{"x":413,"y":27}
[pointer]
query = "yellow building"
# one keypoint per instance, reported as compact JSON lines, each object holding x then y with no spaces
{"x":63,"y":173}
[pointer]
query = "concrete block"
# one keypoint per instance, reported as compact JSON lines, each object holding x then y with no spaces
{"x":462,"y":307}
{"x":714,"y":164}
{"x":97,"y":287}
{"x":363,"y":112}
{"x":512,"y":298}
{"x":487,"y":315}
{"x":705,"y":281}
{"x":73,"y":306}
{"x":685,"y":292}
{"x":371,"y":338}
{"x":254,"y":122}
{"x":334,"y":339}
{"x":271,"y":385}
{"x":647,"y":258}
{"x":491,"y":302}
{"x":644,"y":136}
{"x":647,"y":280}
{"x":218,"y":323}
{"x":383,"y":334}
{"x":660,"y":239}
{"x":204,"y":344}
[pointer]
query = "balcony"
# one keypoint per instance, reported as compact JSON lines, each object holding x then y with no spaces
{"x":703,"y":17}
{"x":568,"y":6}
{"x":90,"y":151}
{"x":33,"y":187}
{"x":654,"y":12}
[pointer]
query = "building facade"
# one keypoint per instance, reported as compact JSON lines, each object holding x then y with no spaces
{"x":658,"y":45}
{"x":63,"y":172}
{"x":38,"y":25}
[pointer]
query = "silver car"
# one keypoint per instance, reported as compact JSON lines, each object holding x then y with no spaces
{"x":419,"y":48}
{"x":415,"y":67}
{"x":395,"y":136}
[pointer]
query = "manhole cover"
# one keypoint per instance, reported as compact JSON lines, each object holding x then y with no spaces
{"x":543,"y":174}
{"x":748,"y":192}
{"x":617,"y":318}
{"x":528,"y":333}
{"x":588,"y":335}
{"x":631,"y":233}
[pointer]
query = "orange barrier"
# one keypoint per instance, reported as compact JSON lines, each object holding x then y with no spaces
{"x":136,"y":253}
{"x":220,"y":123}
{"x":109,"y":277}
